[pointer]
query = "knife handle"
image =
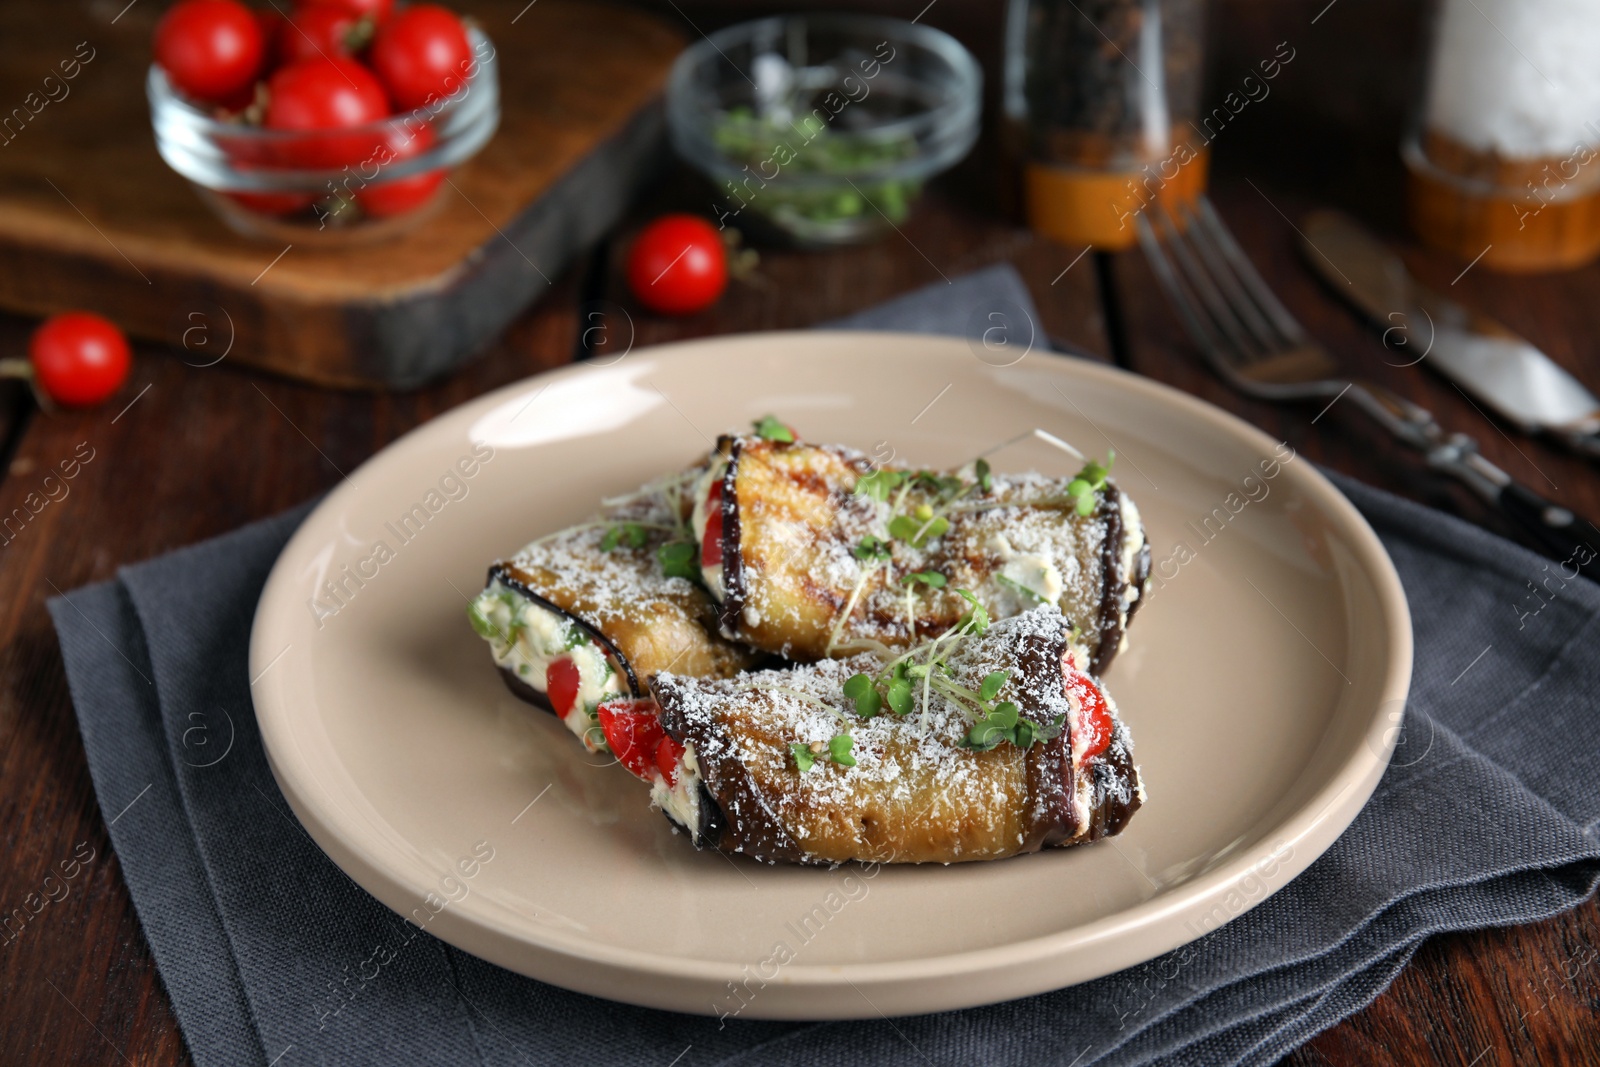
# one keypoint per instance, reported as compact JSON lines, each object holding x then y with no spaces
{"x":1553,"y":528}
{"x":1585,"y":444}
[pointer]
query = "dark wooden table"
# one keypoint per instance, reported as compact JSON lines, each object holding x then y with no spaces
{"x":187,"y":453}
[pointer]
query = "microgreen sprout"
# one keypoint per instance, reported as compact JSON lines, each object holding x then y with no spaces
{"x":1090,"y":481}
{"x":977,"y":617}
{"x":1004,"y":723}
{"x":677,"y":560}
{"x":1020,"y":589}
{"x":985,"y":478}
{"x":918,"y":531}
{"x":858,"y":687}
{"x":631,"y":534}
{"x":944,"y":486}
{"x":879,"y":484}
{"x":871,"y":548}
{"x":772,"y":429}
{"x":899,"y":693}
{"x":837,"y":750}
{"x":932,"y":579}
{"x":575,"y":637}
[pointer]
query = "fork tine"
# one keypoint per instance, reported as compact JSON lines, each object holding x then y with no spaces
{"x":1223,"y":315}
{"x":1199,"y":329}
{"x":1223,"y":277}
{"x":1212,"y":225}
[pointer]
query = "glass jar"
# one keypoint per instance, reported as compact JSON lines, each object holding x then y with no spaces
{"x":1503,"y":151}
{"x":329,"y":187}
{"x":824,"y":125}
{"x":1101,"y":103}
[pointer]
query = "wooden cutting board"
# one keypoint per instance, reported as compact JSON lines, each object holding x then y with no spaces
{"x":91,"y":217}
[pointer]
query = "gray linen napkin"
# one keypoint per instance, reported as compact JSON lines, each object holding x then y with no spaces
{"x":1487,"y":817}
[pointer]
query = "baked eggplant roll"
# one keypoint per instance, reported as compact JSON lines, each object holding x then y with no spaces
{"x":586,"y":614}
{"x":811,"y":551}
{"x":975,"y":746}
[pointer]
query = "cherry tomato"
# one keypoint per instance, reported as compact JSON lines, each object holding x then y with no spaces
{"x":633,"y":733}
{"x":317,"y":33}
{"x":669,"y":754}
{"x":1094,"y":717}
{"x":79,"y":359}
{"x":422,"y":54}
{"x":561,"y":681}
{"x":379,"y":10}
{"x":271,"y":23}
{"x":211,"y":50}
{"x":325,"y":94}
{"x":711,"y":543}
{"x":678,"y":265}
{"x":383,"y":198}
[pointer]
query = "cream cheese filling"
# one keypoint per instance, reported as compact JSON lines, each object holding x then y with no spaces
{"x":526,"y":638}
{"x":681,"y":801}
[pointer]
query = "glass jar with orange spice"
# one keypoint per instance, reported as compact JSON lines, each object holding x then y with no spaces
{"x":1504,"y":150}
{"x":1101,"y":98}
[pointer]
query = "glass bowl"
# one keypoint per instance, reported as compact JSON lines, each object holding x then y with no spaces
{"x":823,"y":127}
{"x":360,"y":183}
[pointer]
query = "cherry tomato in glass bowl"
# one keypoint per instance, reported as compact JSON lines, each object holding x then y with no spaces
{"x":379,"y":10}
{"x":320,"y":33}
{"x":212,"y":50}
{"x":678,"y":265}
{"x":384,"y":199}
{"x":271,"y":23}
{"x":78,"y":359}
{"x":321,"y":95}
{"x":422,"y":55}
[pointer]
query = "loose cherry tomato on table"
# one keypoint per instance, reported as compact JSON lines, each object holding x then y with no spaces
{"x":678,"y":266}
{"x":422,"y":54}
{"x":78,"y":359}
{"x":320,"y":33}
{"x":325,"y":94}
{"x":382,"y":198}
{"x":212,"y":50}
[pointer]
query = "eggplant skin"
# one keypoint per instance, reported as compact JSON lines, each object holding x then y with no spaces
{"x":645,"y":621}
{"x":915,"y":798}
{"x":781,"y":506}
{"x":798,"y":581}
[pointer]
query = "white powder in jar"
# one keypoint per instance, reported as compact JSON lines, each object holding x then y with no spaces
{"x":1519,"y":78}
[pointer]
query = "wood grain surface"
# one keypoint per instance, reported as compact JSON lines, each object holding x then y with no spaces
{"x":204,"y":449}
{"x":90,"y":212}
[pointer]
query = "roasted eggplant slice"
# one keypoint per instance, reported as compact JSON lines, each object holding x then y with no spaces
{"x":971,"y":747}
{"x":812,"y":551}
{"x":585,"y":615}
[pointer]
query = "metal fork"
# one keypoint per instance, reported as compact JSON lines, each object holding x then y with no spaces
{"x":1252,"y":342}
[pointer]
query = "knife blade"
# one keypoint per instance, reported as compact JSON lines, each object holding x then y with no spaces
{"x":1490,"y":362}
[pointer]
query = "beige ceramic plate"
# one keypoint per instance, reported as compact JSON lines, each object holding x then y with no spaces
{"x":1262,"y":687}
